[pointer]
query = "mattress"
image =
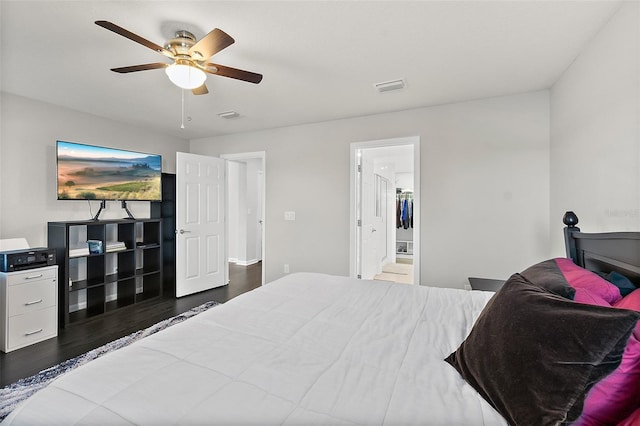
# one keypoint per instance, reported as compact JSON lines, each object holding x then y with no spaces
{"x":305,"y":349}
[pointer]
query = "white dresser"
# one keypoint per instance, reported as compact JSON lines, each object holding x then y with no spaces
{"x":28,"y":307}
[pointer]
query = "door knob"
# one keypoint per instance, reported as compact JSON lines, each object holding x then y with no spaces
{"x":182,"y":231}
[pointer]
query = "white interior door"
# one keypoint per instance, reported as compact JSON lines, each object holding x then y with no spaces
{"x":382,"y":215}
{"x":369,"y":227}
{"x":201,"y":258}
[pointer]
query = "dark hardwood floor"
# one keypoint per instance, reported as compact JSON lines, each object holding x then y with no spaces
{"x":80,"y":338}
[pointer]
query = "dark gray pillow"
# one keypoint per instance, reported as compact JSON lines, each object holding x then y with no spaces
{"x":533,"y":355}
{"x":548,"y":275}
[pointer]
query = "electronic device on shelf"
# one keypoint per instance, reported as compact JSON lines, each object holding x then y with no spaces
{"x":20,"y":260}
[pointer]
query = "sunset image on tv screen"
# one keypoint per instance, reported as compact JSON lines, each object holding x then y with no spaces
{"x":87,"y":172}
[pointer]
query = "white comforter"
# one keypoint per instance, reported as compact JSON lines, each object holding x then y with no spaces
{"x":305,"y":349}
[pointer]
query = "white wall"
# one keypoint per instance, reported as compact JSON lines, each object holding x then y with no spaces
{"x":595,"y":132}
{"x":28,"y":163}
{"x":484,"y":187}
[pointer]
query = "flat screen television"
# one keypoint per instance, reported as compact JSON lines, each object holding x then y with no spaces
{"x":88,"y":172}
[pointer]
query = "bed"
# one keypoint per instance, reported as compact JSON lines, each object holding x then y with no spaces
{"x":317,"y":349}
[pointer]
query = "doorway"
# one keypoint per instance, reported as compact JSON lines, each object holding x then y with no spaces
{"x":385,"y":178}
{"x":246,"y":207}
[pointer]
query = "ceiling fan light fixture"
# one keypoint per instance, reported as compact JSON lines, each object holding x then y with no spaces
{"x":190,"y":56}
{"x":186,"y":76}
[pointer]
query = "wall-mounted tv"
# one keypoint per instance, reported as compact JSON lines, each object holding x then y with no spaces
{"x":87,"y":172}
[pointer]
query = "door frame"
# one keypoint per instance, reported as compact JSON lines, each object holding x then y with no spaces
{"x":261,"y":155}
{"x":354,"y":243}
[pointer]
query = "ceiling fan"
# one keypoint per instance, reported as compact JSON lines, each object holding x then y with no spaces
{"x":189,"y":56}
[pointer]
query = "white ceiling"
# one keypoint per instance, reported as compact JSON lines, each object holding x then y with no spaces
{"x":319,"y":59}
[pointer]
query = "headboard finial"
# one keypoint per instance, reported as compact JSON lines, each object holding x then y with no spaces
{"x":570,"y":219}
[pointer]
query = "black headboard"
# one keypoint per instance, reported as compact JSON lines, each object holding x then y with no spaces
{"x":603,"y":252}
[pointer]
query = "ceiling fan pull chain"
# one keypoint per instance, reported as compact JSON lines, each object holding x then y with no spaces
{"x":182,"y":122}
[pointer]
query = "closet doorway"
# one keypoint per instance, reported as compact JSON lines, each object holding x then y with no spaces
{"x":246,"y":207}
{"x":385,"y":177}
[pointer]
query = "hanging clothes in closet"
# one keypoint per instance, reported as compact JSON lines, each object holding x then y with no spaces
{"x":404,"y":210}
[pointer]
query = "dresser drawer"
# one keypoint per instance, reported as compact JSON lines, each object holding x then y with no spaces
{"x":30,"y":328}
{"x":15,"y":278}
{"x":32,"y":296}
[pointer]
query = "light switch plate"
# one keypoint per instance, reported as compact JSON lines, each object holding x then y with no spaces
{"x":289,"y":215}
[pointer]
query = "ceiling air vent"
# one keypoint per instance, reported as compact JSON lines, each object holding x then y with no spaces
{"x":388,"y":86}
{"x":228,"y":114}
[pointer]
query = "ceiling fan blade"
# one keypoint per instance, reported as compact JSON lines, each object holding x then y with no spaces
{"x":224,"y":71}
{"x":143,"y":67}
{"x":202,"y":90}
{"x":211,"y":44}
{"x":134,"y":37}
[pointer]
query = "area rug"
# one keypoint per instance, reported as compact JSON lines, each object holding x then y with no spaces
{"x":11,"y":395}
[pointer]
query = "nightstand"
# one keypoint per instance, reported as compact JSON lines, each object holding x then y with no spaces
{"x":485,"y":284}
{"x":28,"y":307}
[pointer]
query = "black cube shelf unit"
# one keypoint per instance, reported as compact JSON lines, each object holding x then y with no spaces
{"x":128,"y":269}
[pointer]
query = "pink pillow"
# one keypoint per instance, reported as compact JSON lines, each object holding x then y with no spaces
{"x":632,"y":420}
{"x":589,"y":298}
{"x":614,"y":398}
{"x":580,"y":278}
{"x":631,"y":301}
